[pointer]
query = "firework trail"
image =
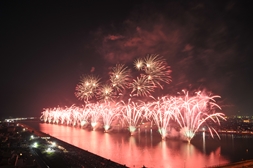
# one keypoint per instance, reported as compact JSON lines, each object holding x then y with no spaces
{"x":109,"y":113}
{"x":75,"y":115}
{"x":132,"y":115}
{"x":45,"y":114}
{"x":84,"y":117}
{"x":65,"y":116}
{"x":161,"y":112}
{"x":194,"y":111}
{"x":56,"y":114}
{"x":94,"y":110}
{"x":188,"y":112}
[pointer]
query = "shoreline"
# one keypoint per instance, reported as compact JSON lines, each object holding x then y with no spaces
{"x":236,"y":135}
{"x":85,"y":157}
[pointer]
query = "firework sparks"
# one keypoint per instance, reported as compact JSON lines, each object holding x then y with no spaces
{"x":138,"y":64}
{"x":189,"y":113}
{"x":194,"y":111}
{"x":142,"y":87}
{"x":84,"y":117}
{"x":95,"y":113}
{"x":86,"y":88}
{"x":161,"y":113}
{"x":45,"y":114}
{"x":106,"y":93}
{"x":155,"y":68}
{"x":109,"y":113}
{"x":132,"y":114}
{"x":120,"y":77}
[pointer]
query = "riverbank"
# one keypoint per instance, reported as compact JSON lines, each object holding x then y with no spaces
{"x":72,"y":155}
{"x":246,"y":163}
{"x":146,"y":147}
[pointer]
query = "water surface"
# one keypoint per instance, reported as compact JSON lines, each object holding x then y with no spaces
{"x":147,"y":148}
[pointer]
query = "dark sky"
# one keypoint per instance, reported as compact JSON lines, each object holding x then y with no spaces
{"x":46,"y":46}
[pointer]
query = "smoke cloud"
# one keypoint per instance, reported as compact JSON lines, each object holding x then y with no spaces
{"x":199,"y":40}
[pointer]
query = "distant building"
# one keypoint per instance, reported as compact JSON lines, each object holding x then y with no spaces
{"x":246,"y":120}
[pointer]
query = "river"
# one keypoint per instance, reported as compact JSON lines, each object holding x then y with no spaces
{"x":146,"y":148}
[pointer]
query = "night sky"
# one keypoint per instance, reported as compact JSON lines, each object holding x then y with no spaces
{"x":45,"y":47}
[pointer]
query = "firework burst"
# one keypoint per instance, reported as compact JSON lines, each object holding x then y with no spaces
{"x":87,"y":87}
{"x":120,"y":77}
{"x":188,"y":112}
{"x":138,"y":64}
{"x":142,"y":87}
{"x":155,"y":68}
{"x":106,"y":93}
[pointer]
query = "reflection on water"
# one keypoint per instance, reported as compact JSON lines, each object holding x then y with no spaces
{"x":143,"y":148}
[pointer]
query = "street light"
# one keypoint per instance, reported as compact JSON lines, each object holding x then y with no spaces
{"x":35,"y":145}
